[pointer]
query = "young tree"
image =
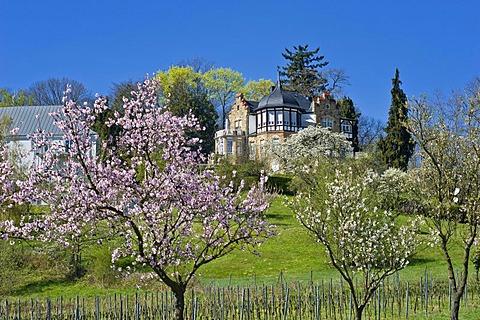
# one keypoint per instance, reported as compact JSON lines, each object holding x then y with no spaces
{"x":397,"y":146}
{"x":174,"y":217}
{"x":447,"y":188}
{"x":302,"y":73}
{"x":222,"y":85}
{"x":360,"y":240}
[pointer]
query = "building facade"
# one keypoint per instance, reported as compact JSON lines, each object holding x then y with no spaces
{"x":252,"y":125}
{"x":29,"y":120}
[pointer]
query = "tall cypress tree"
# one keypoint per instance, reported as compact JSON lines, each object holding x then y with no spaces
{"x":397,"y":147}
{"x":302,"y":71}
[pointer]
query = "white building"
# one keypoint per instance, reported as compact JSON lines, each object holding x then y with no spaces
{"x":28,"y":120}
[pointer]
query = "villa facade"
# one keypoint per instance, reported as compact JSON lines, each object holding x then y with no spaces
{"x":252,"y":125}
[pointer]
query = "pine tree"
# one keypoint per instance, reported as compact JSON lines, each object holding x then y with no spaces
{"x":396,"y":148}
{"x":302,"y":71}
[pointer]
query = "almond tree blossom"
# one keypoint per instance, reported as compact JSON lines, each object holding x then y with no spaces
{"x":361,"y":240}
{"x":172,"y":216}
{"x":446,"y":186}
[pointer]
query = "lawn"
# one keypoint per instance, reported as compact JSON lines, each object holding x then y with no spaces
{"x":292,"y":255}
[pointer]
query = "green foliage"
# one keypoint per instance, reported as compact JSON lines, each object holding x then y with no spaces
{"x":280,"y":184}
{"x":99,"y":266}
{"x":249,"y":171}
{"x":302,"y":72}
{"x":11,"y":99}
{"x":397,"y":147}
{"x":348,"y":111}
{"x":222,"y":84}
{"x":182,"y":89}
{"x":256,"y":90}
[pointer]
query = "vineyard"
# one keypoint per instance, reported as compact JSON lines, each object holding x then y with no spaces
{"x":395,"y":299}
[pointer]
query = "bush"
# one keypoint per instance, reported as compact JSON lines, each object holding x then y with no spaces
{"x":280,"y":184}
{"x":249,"y":171}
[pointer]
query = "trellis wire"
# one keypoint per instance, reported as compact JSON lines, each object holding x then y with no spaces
{"x":297,"y":301}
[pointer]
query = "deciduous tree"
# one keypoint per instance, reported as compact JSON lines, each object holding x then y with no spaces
{"x":446,"y":186}
{"x":182,"y":89}
{"x":256,"y":90}
{"x":360,"y":240}
{"x":313,"y":142}
{"x":11,"y":99}
{"x":369,"y":132}
{"x":222,"y":85}
{"x":174,"y":217}
{"x":50,"y":92}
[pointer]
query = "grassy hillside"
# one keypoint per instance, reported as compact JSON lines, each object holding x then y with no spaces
{"x":292,"y":255}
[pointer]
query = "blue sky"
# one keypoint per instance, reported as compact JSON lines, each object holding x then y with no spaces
{"x":434,"y":43}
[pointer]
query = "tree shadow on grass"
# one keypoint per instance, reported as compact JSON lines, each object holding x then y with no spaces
{"x":413,"y":261}
{"x":279,"y":219}
{"x":41,"y":286}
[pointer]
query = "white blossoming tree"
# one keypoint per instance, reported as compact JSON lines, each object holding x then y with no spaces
{"x":361,"y":240}
{"x":310,"y":143}
{"x":446,"y":186}
{"x":171,"y":215}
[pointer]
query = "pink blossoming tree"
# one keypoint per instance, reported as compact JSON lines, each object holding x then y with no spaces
{"x":173,"y":216}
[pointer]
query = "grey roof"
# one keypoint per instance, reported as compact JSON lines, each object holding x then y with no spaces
{"x":252,"y":105}
{"x":283,"y":98}
{"x":30,"y":118}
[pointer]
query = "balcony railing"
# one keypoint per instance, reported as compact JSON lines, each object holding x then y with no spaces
{"x":229,"y":132}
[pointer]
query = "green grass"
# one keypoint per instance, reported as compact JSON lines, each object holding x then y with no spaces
{"x":292,"y":255}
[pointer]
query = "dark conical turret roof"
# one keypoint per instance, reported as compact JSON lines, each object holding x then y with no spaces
{"x":284,"y":98}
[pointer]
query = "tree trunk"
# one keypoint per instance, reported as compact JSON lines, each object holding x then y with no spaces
{"x":359,"y":312}
{"x":179,"y":293}
{"x":455,"y":306}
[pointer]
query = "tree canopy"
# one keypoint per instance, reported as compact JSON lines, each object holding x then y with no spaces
{"x":313,"y":142}
{"x":173,"y":217}
{"x":222,"y":84}
{"x":256,"y":90}
{"x":51,"y":91}
{"x":18,"y":98}
{"x":302,"y":72}
{"x":445,"y":187}
{"x":182,"y":89}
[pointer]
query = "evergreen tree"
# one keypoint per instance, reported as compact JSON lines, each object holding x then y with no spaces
{"x":396,"y":148}
{"x":302,"y":71}
{"x":350,"y":113}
